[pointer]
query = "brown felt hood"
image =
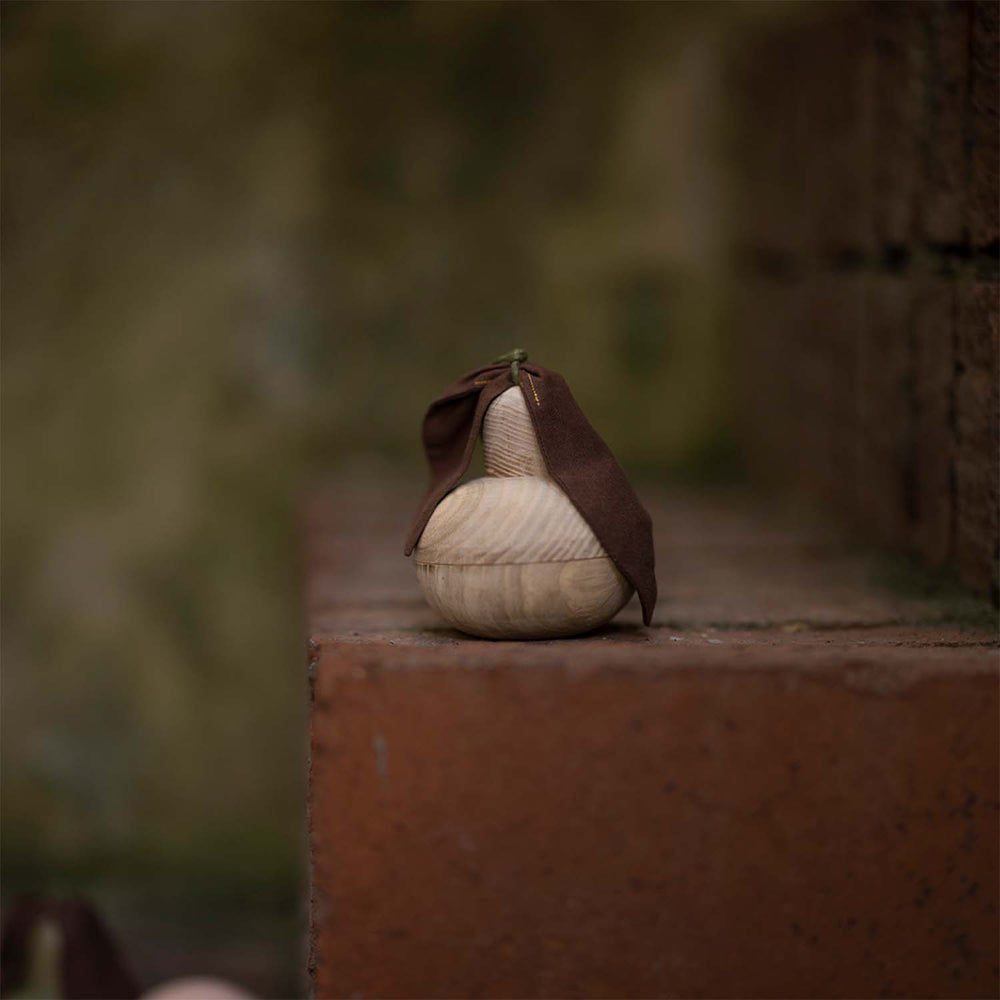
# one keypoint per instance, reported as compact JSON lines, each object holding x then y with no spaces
{"x":577,"y":460}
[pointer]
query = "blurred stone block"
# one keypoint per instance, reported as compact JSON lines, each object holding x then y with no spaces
{"x":885,"y":404}
{"x":899,"y":118}
{"x":985,"y":124}
{"x":933,"y":433}
{"x":777,"y":190}
{"x":771,"y":318}
{"x":836,"y":84}
{"x":883,"y":400}
{"x":943,"y":206}
{"x":833,"y":325}
{"x":977,"y":429}
{"x":752,"y":352}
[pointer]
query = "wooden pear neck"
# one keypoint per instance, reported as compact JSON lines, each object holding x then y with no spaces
{"x":510,"y":446}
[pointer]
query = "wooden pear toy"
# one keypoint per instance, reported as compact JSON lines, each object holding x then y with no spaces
{"x":553,"y":541}
{"x":509,"y":556}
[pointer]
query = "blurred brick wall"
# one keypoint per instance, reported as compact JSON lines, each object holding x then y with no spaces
{"x":865,"y":306}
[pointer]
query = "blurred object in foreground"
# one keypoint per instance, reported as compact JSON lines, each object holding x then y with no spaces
{"x":63,"y":949}
{"x":196,"y":988}
{"x":51,"y":948}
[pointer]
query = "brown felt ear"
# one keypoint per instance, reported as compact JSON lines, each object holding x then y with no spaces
{"x":584,"y":467}
{"x":451,"y":427}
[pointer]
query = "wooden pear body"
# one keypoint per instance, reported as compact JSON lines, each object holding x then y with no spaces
{"x":509,"y":556}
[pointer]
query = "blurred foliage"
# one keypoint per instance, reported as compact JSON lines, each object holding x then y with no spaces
{"x":246,"y":242}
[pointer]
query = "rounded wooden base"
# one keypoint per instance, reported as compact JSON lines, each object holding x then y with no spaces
{"x":527,"y":600}
{"x":513,"y":559}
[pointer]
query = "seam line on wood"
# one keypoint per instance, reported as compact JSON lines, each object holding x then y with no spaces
{"x":540,"y":562}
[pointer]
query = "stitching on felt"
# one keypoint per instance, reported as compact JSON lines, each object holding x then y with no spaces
{"x":531,"y":382}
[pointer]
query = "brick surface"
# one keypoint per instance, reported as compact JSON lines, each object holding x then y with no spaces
{"x":566,"y":829}
{"x":802,"y":808}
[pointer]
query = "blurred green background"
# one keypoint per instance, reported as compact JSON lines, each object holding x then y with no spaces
{"x":244,"y":245}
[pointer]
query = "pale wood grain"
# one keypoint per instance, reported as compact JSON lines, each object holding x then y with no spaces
{"x":509,"y":556}
{"x":525,"y":519}
{"x":510,"y":447}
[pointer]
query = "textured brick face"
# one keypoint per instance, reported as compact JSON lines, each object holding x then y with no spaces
{"x":540,"y":826}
